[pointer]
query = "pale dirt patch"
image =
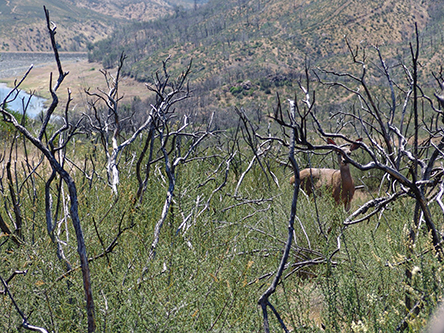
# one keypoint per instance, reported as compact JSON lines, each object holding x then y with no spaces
{"x":82,"y":75}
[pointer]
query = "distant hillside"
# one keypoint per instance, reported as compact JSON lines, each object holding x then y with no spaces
{"x":79,"y":22}
{"x":245,"y":48}
{"x":274,"y":32}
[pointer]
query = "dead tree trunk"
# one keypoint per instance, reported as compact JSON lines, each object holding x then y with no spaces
{"x":49,"y":151}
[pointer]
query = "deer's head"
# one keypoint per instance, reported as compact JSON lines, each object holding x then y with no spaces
{"x":346,"y":149}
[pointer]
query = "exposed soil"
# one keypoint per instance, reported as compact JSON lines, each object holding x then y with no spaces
{"x":82,"y":75}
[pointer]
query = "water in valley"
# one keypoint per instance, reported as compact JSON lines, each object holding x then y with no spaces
{"x":35,"y":104}
{"x":15,"y":64}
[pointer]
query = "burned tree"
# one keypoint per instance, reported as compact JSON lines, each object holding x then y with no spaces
{"x":46,"y":142}
{"x":401,"y":130}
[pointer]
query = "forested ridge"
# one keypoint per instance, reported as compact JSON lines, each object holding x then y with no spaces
{"x":241,"y":49}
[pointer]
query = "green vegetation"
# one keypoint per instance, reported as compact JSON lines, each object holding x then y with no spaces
{"x":186,"y":215}
{"x":219,"y":247}
{"x":7,"y":130}
{"x":212,"y":263}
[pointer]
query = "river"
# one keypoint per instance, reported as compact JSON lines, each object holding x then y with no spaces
{"x":35,"y":104}
{"x":15,"y":65}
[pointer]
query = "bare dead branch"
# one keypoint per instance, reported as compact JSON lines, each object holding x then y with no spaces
{"x":264,"y":299}
{"x":25,"y":323}
{"x":58,"y":168}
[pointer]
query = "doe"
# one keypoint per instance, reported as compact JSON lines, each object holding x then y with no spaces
{"x":339,"y":182}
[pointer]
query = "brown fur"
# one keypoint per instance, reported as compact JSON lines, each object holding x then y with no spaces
{"x":339,"y":182}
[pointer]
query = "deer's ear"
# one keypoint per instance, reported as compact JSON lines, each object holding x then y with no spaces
{"x":330,"y":141}
{"x":355,"y":145}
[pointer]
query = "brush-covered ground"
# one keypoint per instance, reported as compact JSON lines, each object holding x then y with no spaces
{"x":80,"y":22}
{"x":223,"y":237}
{"x":217,"y":253}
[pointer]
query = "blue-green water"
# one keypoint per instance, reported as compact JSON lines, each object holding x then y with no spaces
{"x":35,"y":105}
{"x":15,"y":65}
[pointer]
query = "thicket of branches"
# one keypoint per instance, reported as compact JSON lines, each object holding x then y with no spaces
{"x":110,"y":171}
{"x":402,"y":127}
{"x":105,"y":121}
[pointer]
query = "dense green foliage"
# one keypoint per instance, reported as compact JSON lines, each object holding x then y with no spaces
{"x":213,"y":262}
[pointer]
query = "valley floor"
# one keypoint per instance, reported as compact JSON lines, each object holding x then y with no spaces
{"x":82,"y":75}
{"x":15,"y":64}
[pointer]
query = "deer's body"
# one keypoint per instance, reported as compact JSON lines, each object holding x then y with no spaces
{"x":337,"y":182}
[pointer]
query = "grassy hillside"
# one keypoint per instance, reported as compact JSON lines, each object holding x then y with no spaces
{"x":244,"y":51}
{"x":80,"y":22}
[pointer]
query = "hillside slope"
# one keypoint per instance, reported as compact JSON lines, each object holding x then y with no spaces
{"x":230,"y":31}
{"x":242,"y":48}
{"x":79,"y":22}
